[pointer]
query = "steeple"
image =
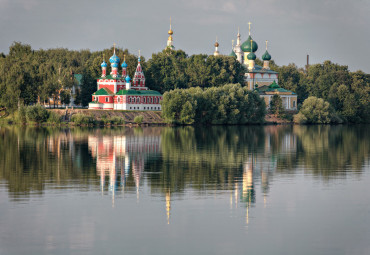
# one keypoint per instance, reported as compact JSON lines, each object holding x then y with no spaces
{"x":124,"y":67}
{"x":139,"y":78}
{"x":232,"y":54}
{"x":170,"y":40}
{"x":237,"y":48}
{"x":114,"y":60}
{"x":266,"y":57}
{"x":216,"y":53}
{"x":103,"y":68}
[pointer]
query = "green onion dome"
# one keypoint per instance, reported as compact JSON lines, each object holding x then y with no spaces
{"x":274,"y":85}
{"x":266,"y":56}
{"x":246,"y":46}
{"x":232,"y":54}
{"x":251,"y":56}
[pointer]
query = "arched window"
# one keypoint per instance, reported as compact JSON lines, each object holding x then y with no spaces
{"x":118,"y":100}
{"x":144,"y":100}
{"x":293,"y":104}
{"x":134,"y":100}
{"x":130,"y":100}
{"x":138,"y":100}
{"x":106,"y":99}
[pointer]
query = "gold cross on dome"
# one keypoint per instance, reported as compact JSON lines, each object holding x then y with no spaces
{"x":114,"y":48}
{"x":170,"y":23}
{"x":139,"y":53}
{"x":266,"y":44}
{"x":249,"y":23}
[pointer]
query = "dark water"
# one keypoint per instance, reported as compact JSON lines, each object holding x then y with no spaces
{"x":219,"y":190}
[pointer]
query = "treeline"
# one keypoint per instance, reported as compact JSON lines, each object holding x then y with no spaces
{"x":348,"y":93}
{"x":229,"y":104}
{"x":30,"y":76}
{"x":174,"y":69}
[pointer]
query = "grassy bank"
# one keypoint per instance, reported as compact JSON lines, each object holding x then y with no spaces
{"x":37,"y":115}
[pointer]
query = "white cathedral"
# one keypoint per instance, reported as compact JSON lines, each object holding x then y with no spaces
{"x":260,"y":78}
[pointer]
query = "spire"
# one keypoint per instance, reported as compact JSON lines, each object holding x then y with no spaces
{"x":249,"y":23}
{"x":266,"y":57}
{"x":114,"y":48}
{"x":170,"y":40}
{"x":216,"y":53}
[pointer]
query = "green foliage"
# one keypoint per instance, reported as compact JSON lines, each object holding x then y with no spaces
{"x":81,"y":119}
{"x":316,"y":111}
{"x":22,"y":115}
{"x":65,"y":97}
{"x":139,"y":119}
{"x":54,"y":118}
{"x":276,"y":105}
{"x":173,"y":69}
{"x":229,"y":104}
{"x":115,"y":120}
{"x":36,"y":113}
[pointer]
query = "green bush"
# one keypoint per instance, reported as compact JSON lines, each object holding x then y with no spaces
{"x":138,"y":119}
{"x":21,"y":116}
{"x":54,"y":118}
{"x":115,"y":120}
{"x":81,"y":119}
{"x":36,"y":113}
{"x":316,"y":111}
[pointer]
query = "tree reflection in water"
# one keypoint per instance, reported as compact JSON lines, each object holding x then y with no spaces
{"x":171,"y":160}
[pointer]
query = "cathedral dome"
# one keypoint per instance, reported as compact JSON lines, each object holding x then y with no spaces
{"x":266,"y":56}
{"x":232,"y":54}
{"x":115,"y":65}
{"x":251,"y":56}
{"x":124,"y":65}
{"x":114,"y":59}
{"x":246,"y":46}
{"x":128,"y":79}
{"x":217,"y":44}
{"x":103,"y":64}
{"x":170,"y":32}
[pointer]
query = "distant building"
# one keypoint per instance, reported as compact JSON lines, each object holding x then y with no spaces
{"x":116,"y":92}
{"x":261,"y":78}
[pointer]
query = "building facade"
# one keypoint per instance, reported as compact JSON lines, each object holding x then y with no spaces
{"x":117,"y":92}
{"x":261,"y":78}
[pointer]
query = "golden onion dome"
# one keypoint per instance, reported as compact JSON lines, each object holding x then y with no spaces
{"x":216,"y":44}
{"x":170,"y":32}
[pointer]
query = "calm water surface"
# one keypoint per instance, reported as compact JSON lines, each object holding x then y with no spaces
{"x":219,"y":190}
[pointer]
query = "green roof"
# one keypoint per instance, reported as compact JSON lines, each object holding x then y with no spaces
{"x":78,"y":78}
{"x":133,"y":92}
{"x":103,"y":92}
{"x":246,"y":46}
{"x":266,"y":56}
{"x":273,"y":87}
{"x":232,"y":54}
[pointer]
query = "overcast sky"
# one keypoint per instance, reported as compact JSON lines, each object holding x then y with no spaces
{"x":337,"y":30}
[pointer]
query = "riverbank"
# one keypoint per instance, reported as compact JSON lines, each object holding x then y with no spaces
{"x":108,"y":117}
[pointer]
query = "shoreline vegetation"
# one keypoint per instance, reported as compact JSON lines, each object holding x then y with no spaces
{"x":212,"y":88}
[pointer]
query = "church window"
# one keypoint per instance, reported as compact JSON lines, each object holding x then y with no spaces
{"x":106,"y":99}
{"x":138,"y":100}
{"x":144,"y":100}
{"x":134,"y":101}
{"x":119,"y":100}
{"x":293,"y":104}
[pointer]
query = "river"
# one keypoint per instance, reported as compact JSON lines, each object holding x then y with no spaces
{"x":185,"y":190}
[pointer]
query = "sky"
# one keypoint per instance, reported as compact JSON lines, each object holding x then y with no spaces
{"x":336,"y":30}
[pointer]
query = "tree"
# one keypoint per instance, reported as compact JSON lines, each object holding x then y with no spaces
{"x":65,"y":97}
{"x":315,"y":111}
{"x":276,"y":105}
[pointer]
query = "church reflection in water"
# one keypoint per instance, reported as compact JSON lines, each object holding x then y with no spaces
{"x":119,"y":156}
{"x":121,"y":160}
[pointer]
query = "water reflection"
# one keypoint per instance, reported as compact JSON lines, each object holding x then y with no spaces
{"x":175,"y":159}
